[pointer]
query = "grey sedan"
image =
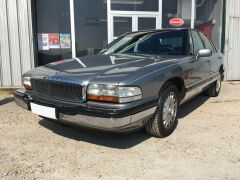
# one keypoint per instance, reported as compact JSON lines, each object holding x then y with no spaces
{"x":138,"y":80}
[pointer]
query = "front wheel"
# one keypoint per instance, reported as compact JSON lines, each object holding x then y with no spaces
{"x":164,"y":120}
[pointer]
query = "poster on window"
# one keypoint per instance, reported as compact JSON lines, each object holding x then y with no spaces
{"x":43,"y":42}
{"x":54,"y":41}
{"x":65,"y":41}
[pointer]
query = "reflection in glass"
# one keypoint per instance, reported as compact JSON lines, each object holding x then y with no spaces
{"x":146,"y":23}
{"x":90,"y":26}
{"x":204,"y":16}
{"x":122,"y":25}
{"x":208,"y":19}
{"x":53,"y":30}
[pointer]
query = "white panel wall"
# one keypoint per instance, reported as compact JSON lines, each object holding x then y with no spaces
{"x":16,"y":42}
{"x":232,"y":46}
{"x":6,"y":79}
{"x":24,"y":38}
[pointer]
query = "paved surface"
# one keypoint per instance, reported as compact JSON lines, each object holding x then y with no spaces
{"x":205,"y":145}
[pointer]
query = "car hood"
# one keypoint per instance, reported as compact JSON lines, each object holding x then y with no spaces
{"x":99,"y":68}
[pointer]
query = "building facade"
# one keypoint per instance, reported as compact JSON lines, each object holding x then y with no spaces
{"x":36,"y":32}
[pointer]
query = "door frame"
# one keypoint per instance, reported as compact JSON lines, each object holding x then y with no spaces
{"x":134,"y":15}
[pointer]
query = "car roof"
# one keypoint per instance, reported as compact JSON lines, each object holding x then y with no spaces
{"x":161,"y":30}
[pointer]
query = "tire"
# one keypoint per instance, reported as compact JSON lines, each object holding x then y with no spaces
{"x":167,"y":109}
{"x":215,"y":88}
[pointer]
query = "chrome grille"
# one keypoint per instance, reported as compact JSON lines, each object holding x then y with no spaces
{"x":57,"y":89}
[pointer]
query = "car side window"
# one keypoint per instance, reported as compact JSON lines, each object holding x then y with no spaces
{"x":207,"y":43}
{"x":197,"y":42}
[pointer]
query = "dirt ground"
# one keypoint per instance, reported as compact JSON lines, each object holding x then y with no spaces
{"x":205,"y":145}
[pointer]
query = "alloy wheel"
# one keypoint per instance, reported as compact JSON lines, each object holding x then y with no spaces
{"x":169,"y":110}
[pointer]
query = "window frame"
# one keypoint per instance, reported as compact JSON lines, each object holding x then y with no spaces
{"x":144,"y":10}
{"x":204,"y":35}
{"x":189,"y":44}
{"x":197,"y":32}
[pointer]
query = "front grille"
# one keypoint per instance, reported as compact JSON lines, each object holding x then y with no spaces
{"x":57,"y":89}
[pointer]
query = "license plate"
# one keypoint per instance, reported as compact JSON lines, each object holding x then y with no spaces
{"x":44,"y":111}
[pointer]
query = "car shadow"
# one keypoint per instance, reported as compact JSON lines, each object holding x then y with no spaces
{"x":192,"y":105}
{"x":6,"y":101}
{"x":114,"y":140}
{"x":107,"y":139}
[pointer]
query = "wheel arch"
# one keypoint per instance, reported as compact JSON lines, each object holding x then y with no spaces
{"x":179,"y":83}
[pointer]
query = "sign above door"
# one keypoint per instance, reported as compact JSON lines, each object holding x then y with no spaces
{"x":176,"y":22}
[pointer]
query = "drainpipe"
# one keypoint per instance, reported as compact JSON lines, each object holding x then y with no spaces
{"x":223,"y":26}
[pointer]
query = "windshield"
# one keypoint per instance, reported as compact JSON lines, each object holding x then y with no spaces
{"x":156,"y":43}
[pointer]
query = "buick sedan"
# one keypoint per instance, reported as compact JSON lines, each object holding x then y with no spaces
{"x":139,"y":80}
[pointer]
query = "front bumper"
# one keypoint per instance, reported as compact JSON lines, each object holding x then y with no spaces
{"x":97,"y":118}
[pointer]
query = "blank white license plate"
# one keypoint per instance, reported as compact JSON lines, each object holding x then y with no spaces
{"x":44,"y":111}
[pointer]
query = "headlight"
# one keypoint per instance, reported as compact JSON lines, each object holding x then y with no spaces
{"x":113,"y":93}
{"x":27,"y":83}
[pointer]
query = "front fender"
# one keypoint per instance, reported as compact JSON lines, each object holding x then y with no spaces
{"x":152,"y":82}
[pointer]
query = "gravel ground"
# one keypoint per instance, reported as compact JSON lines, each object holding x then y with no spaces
{"x":205,"y":145}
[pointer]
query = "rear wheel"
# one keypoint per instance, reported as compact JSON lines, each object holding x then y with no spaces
{"x":164,"y":120}
{"x":214,"y":89}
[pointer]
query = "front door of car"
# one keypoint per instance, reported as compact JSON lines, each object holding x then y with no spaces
{"x":214,"y":59}
{"x":200,"y":71}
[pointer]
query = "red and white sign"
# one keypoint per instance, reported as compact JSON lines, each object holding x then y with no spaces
{"x":176,"y":22}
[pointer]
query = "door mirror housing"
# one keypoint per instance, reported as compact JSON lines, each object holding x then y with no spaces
{"x":204,"y":53}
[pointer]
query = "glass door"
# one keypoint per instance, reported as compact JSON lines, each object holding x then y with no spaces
{"x":123,"y":23}
{"x":145,"y":23}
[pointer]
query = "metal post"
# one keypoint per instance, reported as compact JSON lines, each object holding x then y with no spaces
{"x":160,"y":6}
{"x":109,"y":23}
{"x":193,"y":11}
{"x":72,"y":21}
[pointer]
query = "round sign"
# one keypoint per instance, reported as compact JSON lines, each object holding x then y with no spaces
{"x":176,"y":22}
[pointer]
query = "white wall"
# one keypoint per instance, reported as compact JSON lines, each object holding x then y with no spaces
{"x":16,"y":41}
{"x":232,"y":42}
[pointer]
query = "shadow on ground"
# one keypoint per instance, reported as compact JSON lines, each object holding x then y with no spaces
{"x":6,"y":101}
{"x":113,"y":140}
{"x":192,"y":105}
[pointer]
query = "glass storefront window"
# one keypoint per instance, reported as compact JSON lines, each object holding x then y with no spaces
{"x":53,"y":23}
{"x":176,"y":9}
{"x":204,"y":16}
{"x":90,"y":26}
{"x":134,"y":5}
{"x":146,"y":23}
{"x":122,"y":25}
{"x":208,"y":19}
{"x":53,"y":30}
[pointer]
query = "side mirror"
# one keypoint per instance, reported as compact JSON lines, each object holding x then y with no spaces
{"x":204,"y":53}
